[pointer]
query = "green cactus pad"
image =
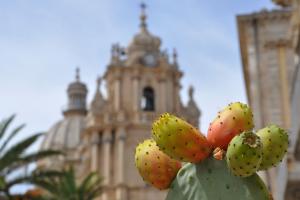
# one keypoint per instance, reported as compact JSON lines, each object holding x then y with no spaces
{"x":212,"y":180}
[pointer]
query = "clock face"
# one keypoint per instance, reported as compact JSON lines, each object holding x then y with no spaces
{"x":149,"y":60}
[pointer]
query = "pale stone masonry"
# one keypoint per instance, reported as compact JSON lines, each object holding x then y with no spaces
{"x":142,"y":82}
{"x":269,"y":42}
{"x":290,"y":175}
{"x":268,"y":64}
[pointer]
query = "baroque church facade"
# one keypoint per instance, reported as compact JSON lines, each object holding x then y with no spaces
{"x":270,"y":44}
{"x":142,"y":83}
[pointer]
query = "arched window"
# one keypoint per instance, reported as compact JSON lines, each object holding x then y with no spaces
{"x":148,"y":99}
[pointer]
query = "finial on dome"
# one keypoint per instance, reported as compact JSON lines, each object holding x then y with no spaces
{"x":143,"y":16}
{"x":98,"y":102}
{"x":191,"y":92}
{"x":77,"y":75}
{"x":175,"y":55}
{"x":192,"y":109}
{"x":99,"y":80}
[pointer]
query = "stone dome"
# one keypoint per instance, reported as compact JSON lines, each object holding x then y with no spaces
{"x":65,"y":134}
{"x":77,"y":87}
{"x":144,"y":40}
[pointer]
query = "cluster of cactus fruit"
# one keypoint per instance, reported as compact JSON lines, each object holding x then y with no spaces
{"x":228,"y":157}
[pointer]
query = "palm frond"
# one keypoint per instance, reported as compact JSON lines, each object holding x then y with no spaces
{"x":66,"y":187}
{"x":32,"y":157}
{"x":33,"y":178}
{"x":15,"y":151}
{"x":11,"y":136}
{"x":4,"y":124}
{"x":15,"y":156}
{"x":91,"y":186}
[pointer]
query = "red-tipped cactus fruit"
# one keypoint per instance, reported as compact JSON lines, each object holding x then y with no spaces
{"x":156,"y":168}
{"x":231,"y":121}
{"x":179,"y":139}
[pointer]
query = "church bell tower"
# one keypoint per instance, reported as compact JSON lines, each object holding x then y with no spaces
{"x":142,"y":82}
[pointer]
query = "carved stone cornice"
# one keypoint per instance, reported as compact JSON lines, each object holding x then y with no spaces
{"x":121,"y":132}
{"x":113,"y":73}
{"x":95,"y":139}
{"x":274,"y":44}
{"x":269,"y":15}
{"x":136,"y":74}
{"x":162,"y":78}
{"x":283,"y":3}
{"x":107,"y":137}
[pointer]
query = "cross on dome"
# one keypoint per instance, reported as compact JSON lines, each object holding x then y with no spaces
{"x":99,"y":80}
{"x":143,"y":16}
{"x":175,"y":55}
{"x":191,"y":92}
{"x":77,"y":75}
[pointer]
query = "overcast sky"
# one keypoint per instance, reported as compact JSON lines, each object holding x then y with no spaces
{"x":42,"y":42}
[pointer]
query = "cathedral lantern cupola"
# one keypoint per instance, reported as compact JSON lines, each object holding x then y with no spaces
{"x":77,"y":93}
{"x":144,"y":46}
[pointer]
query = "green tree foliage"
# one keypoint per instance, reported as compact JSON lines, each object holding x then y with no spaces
{"x":66,"y":187}
{"x":15,"y":156}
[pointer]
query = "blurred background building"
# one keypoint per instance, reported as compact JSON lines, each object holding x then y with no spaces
{"x":142,"y":82}
{"x":269,"y":43}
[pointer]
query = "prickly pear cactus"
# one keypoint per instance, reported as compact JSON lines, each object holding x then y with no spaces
{"x":210,"y":175}
{"x":275,"y":144}
{"x":244,"y":154}
{"x":179,"y":139}
{"x":231,"y":121}
{"x":211,"y":180}
{"x":154,"y":166}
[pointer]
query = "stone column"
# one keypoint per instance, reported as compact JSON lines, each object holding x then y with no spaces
{"x":117,"y":93}
{"x":136,"y":91}
{"x":177,"y":106}
{"x":136,"y":95}
{"x":162,"y":95}
{"x":284,"y":85}
{"x":121,"y":193}
{"x":94,"y":152}
{"x":106,"y":146}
